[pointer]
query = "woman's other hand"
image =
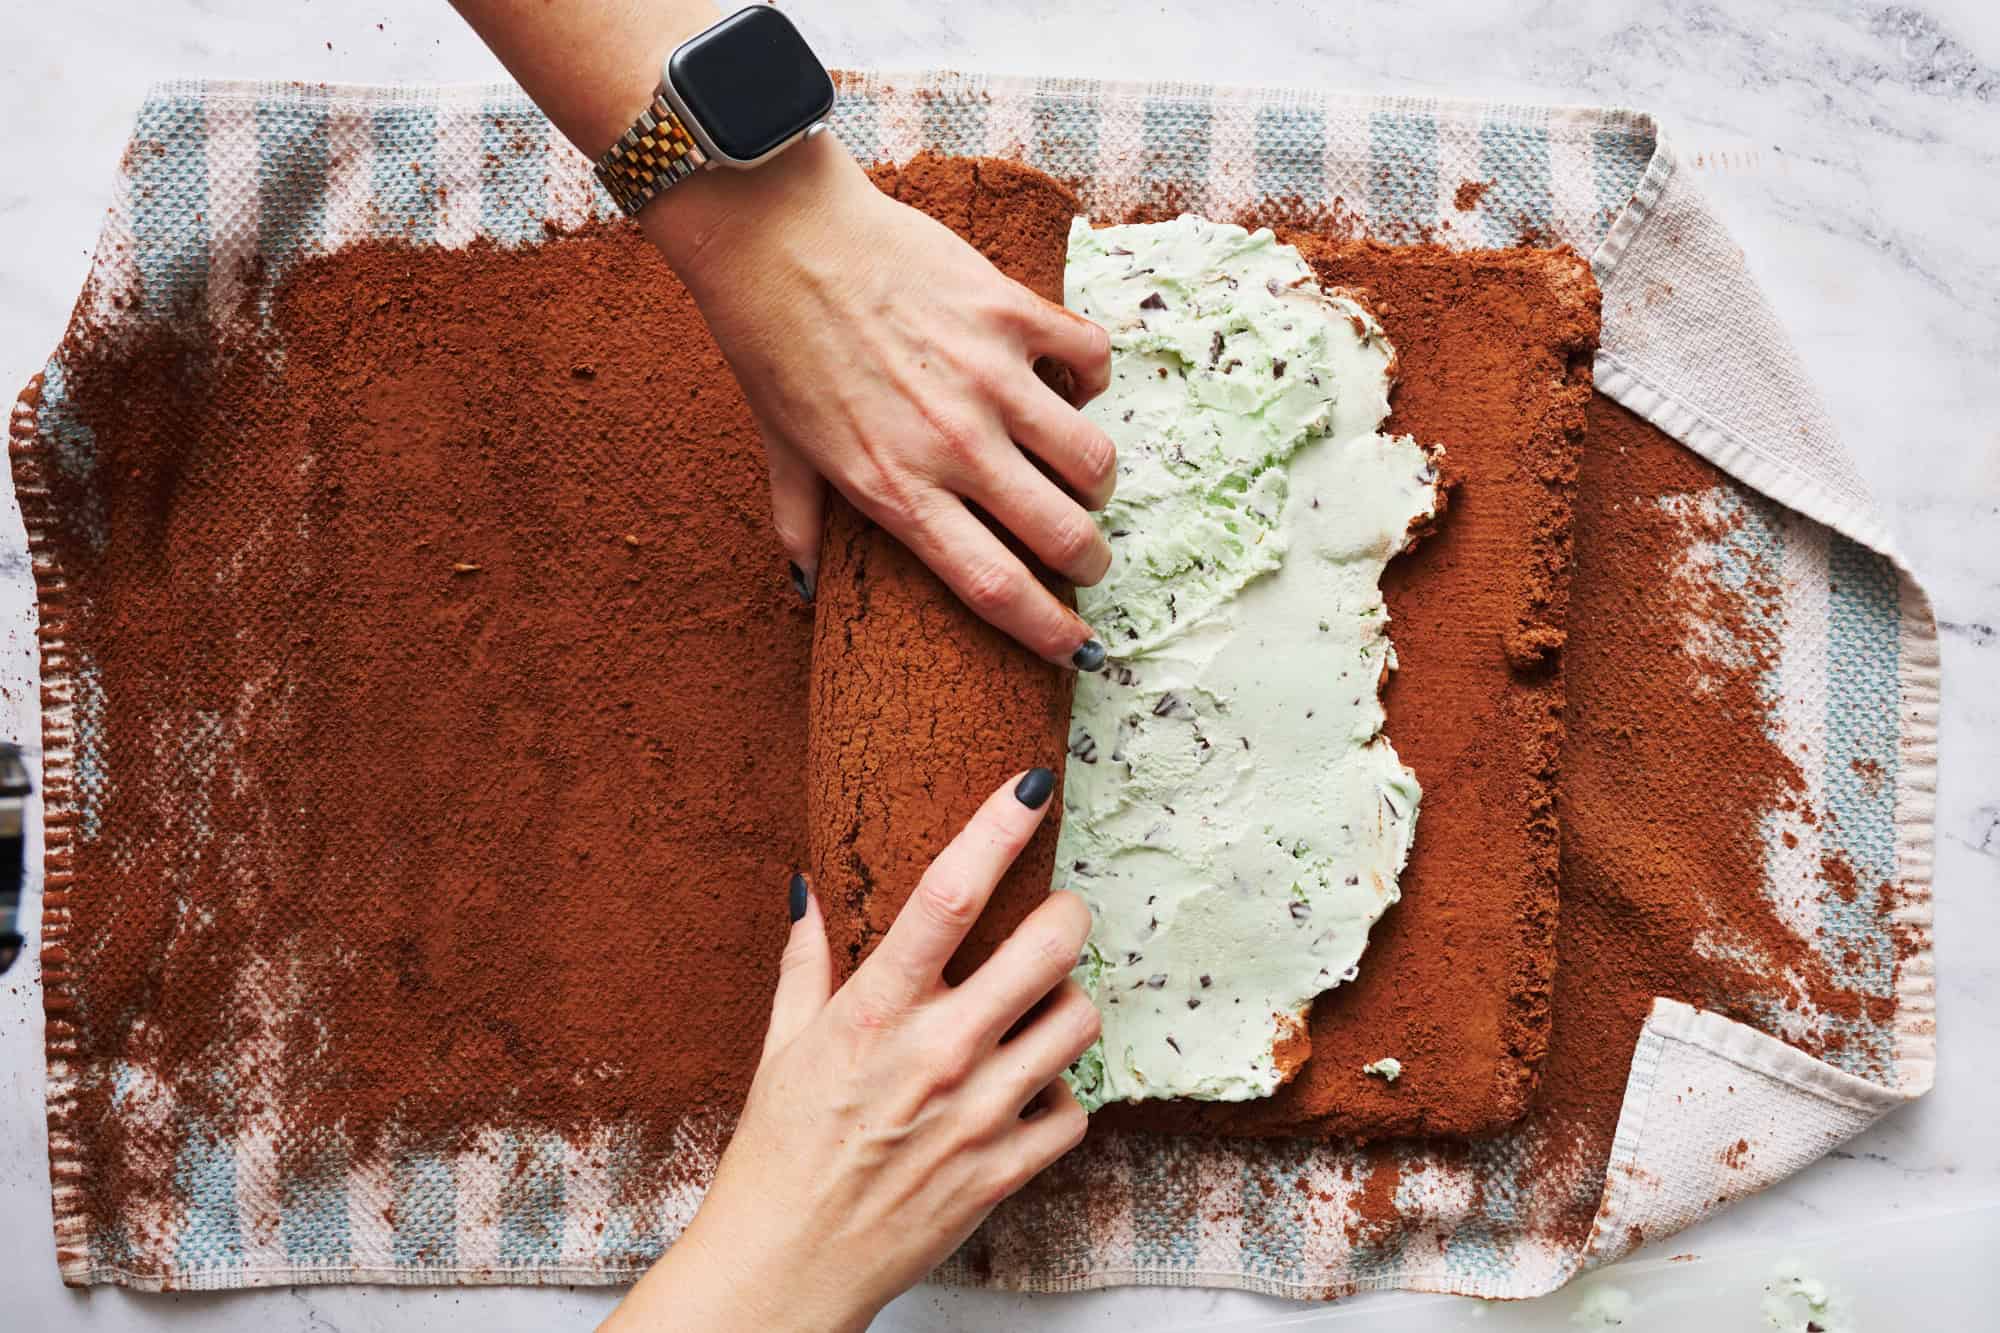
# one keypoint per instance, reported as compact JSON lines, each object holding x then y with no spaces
{"x":888,"y":1118}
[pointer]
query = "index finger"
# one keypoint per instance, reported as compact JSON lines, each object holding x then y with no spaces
{"x":953,"y":892}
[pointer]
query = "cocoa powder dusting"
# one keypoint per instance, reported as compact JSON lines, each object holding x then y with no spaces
{"x":1469,"y":194}
{"x":444,"y":791}
{"x":1668,"y":772}
{"x":452,"y":703}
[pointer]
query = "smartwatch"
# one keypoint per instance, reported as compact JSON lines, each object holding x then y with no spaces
{"x":735,"y":95}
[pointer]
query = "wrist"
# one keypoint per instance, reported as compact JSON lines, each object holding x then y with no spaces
{"x":758,"y":1281}
{"x":691,"y":224}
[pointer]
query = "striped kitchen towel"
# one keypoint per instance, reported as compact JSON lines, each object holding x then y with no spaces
{"x":227,"y":184}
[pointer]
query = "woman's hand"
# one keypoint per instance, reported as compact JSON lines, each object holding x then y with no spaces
{"x":888,"y":1119}
{"x":879,"y":351}
{"x":883,"y":354}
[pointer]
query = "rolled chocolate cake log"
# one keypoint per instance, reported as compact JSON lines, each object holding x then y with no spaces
{"x":919,"y":709}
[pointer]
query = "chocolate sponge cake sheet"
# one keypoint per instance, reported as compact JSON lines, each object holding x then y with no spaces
{"x":919,"y":709}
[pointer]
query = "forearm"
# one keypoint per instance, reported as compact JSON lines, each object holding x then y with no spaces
{"x":591,"y":67}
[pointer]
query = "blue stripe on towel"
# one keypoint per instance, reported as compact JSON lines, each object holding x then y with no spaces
{"x":205,"y":1179}
{"x":857,"y":119}
{"x":1274,"y":1228}
{"x":406,"y":173}
{"x":1864,"y":615}
{"x":110,"y":1240}
{"x":1166,"y":1211}
{"x":170,"y":202}
{"x":1063,"y":138}
{"x":313,"y":1214}
{"x":632,"y":1236}
{"x":1402,"y":175}
{"x":72,"y":447}
{"x":1176,"y":135}
{"x":1618,"y":159}
{"x":531,"y":1203}
{"x":1518,"y":206}
{"x":1291,"y":154}
{"x":1483,"y":1246}
{"x":426,"y":1212}
{"x":513,"y":172}
{"x":291,"y":178}
{"x":956,"y":123}
{"x":1377,"y":1251}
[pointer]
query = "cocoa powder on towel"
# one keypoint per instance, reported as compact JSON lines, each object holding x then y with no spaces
{"x":1669,"y":773}
{"x":452,"y":704}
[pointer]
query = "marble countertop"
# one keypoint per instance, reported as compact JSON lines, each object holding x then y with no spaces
{"x":1854,"y":149}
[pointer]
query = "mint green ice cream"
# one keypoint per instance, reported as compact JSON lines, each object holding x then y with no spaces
{"x":1233,"y":814}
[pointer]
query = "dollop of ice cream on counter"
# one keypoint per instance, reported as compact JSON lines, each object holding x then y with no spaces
{"x":1233,"y":813}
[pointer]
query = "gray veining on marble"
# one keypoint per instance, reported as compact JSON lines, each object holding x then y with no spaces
{"x":1853,"y":148}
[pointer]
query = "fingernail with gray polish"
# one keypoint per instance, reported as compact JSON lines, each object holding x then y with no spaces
{"x":799,"y":896}
{"x":1089,"y":656}
{"x":1034,"y":787}
{"x":802,"y":583}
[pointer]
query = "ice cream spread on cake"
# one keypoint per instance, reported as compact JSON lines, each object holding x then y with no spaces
{"x":1233,"y":813}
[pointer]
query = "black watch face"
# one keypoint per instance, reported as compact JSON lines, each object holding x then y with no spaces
{"x":751,"y":82}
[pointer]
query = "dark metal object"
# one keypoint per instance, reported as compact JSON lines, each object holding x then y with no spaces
{"x":14,"y":790}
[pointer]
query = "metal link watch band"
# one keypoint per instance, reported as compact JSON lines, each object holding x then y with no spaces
{"x":652,"y":157}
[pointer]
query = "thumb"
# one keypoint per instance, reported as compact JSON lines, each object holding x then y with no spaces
{"x":805,"y":971}
{"x":798,"y":509}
